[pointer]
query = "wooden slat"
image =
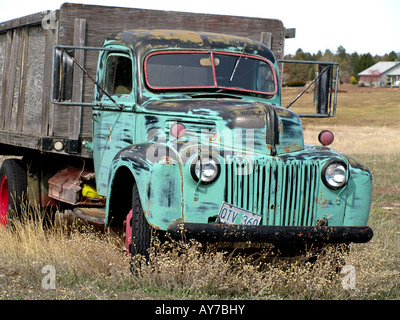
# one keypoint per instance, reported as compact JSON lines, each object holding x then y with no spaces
{"x":48,"y":108}
{"x":22,"y":87}
{"x":5,"y":82}
{"x":77,"y":90}
{"x":33,"y":104}
{"x":266,"y":38}
{"x":9,"y":97}
{"x":32,"y":19}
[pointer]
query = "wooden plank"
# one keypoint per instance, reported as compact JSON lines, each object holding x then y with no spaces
{"x":3,"y":47}
{"x":12,"y":74}
{"x":48,"y":108}
{"x":33,"y":104}
{"x":22,"y":87}
{"x":5,"y":80}
{"x":32,"y":19}
{"x":77,"y":89}
{"x":266,"y":38}
{"x":13,"y":113}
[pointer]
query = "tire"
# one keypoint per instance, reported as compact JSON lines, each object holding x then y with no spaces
{"x":138,"y":230}
{"x":13,"y":189}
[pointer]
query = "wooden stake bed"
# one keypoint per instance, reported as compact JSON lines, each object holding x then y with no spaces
{"x":29,"y":120}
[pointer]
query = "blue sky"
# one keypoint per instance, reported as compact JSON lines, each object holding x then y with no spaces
{"x":358,"y":25}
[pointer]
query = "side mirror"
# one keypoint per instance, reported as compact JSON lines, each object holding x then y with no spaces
{"x":325,"y":90}
{"x":64,"y":63}
{"x":63,"y":73}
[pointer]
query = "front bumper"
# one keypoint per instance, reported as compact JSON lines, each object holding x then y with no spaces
{"x":214,"y":232}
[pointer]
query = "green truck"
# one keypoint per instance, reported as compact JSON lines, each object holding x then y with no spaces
{"x":170,"y":122}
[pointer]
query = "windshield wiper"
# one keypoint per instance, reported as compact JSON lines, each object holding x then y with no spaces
{"x":237,"y":63}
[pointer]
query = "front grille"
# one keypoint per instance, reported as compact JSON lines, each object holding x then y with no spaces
{"x":285,"y":193}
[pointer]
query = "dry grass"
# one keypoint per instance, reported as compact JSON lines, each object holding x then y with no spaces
{"x":357,"y":107}
{"x":90,"y":265}
{"x":76,"y":251}
{"x":366,"y":122}
{"x":358,"y":140}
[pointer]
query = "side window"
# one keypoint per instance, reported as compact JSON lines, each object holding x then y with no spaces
{"x":118,"y":78}
{"x":265,"y":80}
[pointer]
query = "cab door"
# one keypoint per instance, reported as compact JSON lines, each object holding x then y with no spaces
{"x":114,"y":123}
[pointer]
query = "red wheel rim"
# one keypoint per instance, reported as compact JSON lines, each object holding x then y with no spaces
{"x":3,"y":201}
{"x":128,"y":233}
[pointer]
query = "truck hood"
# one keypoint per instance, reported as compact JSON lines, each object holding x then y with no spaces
{"x":273,"y":129}
{"x":235,"y":113}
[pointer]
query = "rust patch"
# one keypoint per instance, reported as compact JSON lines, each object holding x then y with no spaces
{"x":321,"y":200}
{"x":291,"y":148}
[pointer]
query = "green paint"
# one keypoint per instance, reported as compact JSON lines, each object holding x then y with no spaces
{"x":281,"y":182}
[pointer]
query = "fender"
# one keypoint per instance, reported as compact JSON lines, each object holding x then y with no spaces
{"x":154,"y":168}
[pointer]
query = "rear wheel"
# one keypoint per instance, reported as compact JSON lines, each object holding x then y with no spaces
{"x":138,"y":230}
{"x":13,"y":187}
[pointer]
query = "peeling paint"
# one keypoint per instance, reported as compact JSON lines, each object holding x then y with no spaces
{"x":264,"y":165}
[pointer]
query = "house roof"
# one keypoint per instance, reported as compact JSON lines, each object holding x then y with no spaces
{"x":382,"y":67}
{"x":394,"y":71}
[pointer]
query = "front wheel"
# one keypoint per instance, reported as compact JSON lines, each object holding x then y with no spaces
{"x":13,"y":188}
{"x":138,"y":230}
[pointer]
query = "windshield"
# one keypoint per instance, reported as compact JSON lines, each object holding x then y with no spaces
{"x":202,"y":70}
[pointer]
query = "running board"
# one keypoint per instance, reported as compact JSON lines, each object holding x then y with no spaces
{"x":96,"y":215}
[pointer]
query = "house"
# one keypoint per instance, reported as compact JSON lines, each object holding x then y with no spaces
{"x":384,"y":73}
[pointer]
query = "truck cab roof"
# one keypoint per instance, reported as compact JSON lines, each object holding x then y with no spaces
{"x":145,"y":41}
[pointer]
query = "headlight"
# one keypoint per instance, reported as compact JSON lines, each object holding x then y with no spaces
{"x":334,"y":174}
{"x":205,"y":169}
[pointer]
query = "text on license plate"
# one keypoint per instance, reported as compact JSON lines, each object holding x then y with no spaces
{"x":230,"y":214}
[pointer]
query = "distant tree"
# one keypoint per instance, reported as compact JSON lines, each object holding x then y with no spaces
{"x":297,"y":72}
{"x":392,"y":56}
{"x":317,"y":56}
{"x":328,"y":56}
{"x":363,"y":62}
{"x":353,"y":58}
{"x":341,"y":53}
{"x":350,"y":64}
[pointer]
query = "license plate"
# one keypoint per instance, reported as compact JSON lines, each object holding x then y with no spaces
{"x":230,"y":214}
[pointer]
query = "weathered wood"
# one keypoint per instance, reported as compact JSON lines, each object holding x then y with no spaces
{"x":34,"y":81}
{"x":102,"y":21}
{"x":11,"y":79}
{"x":48,"y":107}
{"x":22,"y":88}
{"x":77,"y":91}
{"x":27,"y":115}
{"x":266,"y":38}
{"x":32,"y":19}
{"x":5,"y":82}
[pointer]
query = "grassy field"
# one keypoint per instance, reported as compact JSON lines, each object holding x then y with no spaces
{"x":91,"y":265}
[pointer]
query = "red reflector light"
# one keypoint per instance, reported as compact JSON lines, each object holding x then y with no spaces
{"x":326,"y":137}
{"x":178,"y":130}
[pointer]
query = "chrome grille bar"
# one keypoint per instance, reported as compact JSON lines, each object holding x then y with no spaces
{"x":284,"y":192}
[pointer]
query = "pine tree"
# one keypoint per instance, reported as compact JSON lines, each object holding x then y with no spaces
{"x":392,"y":56}
{"x":363,"y":62}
